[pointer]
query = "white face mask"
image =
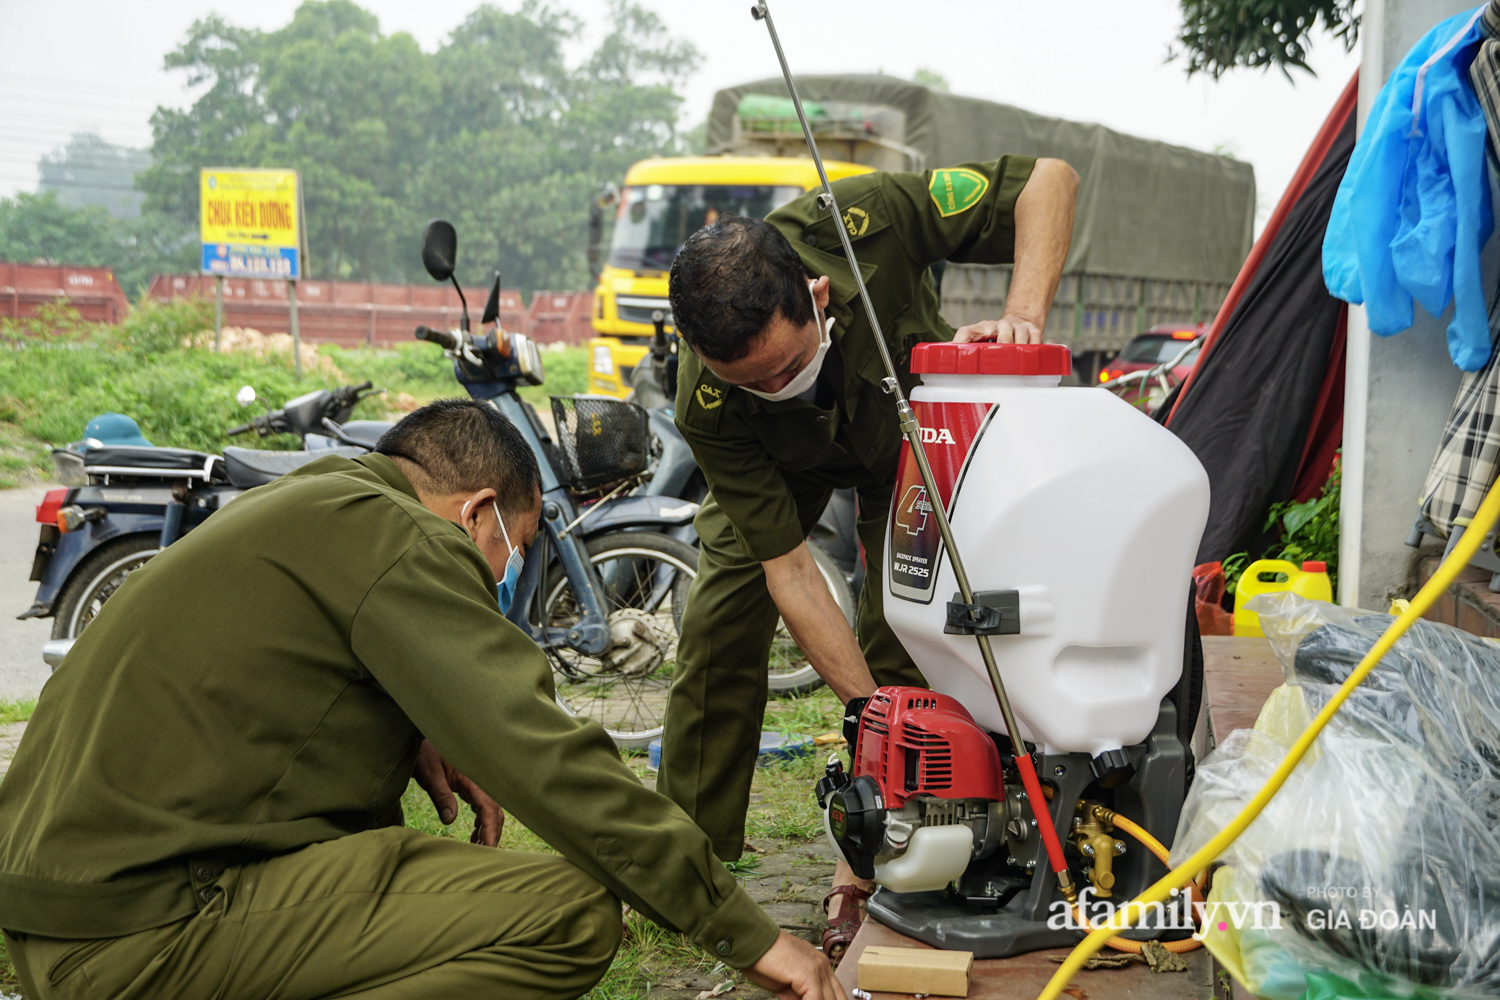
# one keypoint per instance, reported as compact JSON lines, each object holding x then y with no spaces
{"x":807,"y":377}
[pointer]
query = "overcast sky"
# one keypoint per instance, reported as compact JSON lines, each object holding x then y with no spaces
{"x":97,"y":64}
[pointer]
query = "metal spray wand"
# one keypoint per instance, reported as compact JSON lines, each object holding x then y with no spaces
{"x":909,"y":426}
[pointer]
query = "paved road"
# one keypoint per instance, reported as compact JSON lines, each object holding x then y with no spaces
{"x":22,"y":672}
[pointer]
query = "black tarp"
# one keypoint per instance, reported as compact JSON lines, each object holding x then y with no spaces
{"x":1248,"y":408}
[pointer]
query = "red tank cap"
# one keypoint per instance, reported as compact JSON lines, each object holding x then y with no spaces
{"x":991,"y":359}
{"x":1312,"y":566}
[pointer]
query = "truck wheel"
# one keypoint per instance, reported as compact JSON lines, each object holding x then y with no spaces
{"x":96,"y":578}
{"x":788,"y":671}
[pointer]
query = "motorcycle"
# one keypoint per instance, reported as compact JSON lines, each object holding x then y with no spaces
{"x":124,"y":503}
{"x":604,"y":585}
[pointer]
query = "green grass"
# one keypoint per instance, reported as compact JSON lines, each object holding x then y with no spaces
{"x":57,"y":372}
{"x":786,"y":809}
{"x":8,"y":981}
{"x":16,"y":711}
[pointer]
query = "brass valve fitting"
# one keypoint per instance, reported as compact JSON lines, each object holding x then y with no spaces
{"x":1093,"y":836}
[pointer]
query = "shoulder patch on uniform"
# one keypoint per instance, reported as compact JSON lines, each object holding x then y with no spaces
{"x":957,"y":189}
{"x":708,"y":397}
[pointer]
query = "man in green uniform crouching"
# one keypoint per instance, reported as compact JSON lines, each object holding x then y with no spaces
{"x":207,"y":801}
{"x":782,"y":402}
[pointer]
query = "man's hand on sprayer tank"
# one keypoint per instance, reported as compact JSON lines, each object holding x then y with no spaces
{"x":1005,"y":330}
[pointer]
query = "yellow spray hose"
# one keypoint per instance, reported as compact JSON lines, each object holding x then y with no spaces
{"x":1457,"y":560}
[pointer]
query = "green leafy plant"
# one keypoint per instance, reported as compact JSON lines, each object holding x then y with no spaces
{"x":1309,"y":532}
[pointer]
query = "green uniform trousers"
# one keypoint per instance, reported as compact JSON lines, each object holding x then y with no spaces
{"x":381,"y":915}
{"x":718,"y":696}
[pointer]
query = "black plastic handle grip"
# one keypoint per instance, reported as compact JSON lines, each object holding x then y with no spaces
{"x":241,"y":429}
{"x":447,"y":340}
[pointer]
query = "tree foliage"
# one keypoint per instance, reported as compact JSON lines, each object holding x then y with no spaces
{"x":1218,"y":35}
{"x":495,"y":130}
{"x":38,"y":228}
{"x":87,"y":170}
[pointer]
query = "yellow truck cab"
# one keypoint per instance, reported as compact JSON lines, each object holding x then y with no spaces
{"x":663,"y":202}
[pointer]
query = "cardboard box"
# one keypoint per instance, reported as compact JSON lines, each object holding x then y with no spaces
{"x":915,"y":970}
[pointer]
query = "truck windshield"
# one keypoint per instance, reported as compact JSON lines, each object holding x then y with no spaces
{"x":654,"y":220}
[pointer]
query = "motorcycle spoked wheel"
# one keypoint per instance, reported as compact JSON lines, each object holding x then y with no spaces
{"x":645,"y":578}
{"x":788,"y":670}
{"x":99,"y":575}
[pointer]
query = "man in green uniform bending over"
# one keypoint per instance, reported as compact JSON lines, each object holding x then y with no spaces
{"x":207,"y":802}
{"x":781,"y":401}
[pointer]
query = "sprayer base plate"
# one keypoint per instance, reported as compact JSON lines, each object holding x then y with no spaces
{"x":947,"y":921}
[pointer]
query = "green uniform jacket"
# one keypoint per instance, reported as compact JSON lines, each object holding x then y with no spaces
{"x":265,"y":683}
{"x":900,"y":225}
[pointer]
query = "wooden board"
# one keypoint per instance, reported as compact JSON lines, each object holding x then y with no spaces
{"x":1023,"y":976}
{"x":1238,"y":675}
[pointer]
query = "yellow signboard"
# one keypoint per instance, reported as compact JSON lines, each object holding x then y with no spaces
{"x":251,"y":223}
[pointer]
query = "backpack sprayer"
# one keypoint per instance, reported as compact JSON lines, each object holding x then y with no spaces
{"x":980,"y":619}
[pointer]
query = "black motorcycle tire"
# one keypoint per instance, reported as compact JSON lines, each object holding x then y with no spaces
{"x":97,"y":577}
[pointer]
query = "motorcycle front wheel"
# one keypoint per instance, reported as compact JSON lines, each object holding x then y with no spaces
{"x":644,"y":578}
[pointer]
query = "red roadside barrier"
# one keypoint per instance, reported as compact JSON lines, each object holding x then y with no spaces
{"x":346,"y":313}
{"x":560,"y":317}
{"x":93,"y":291}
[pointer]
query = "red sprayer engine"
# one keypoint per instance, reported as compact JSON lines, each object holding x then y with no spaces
{"x":931,"y":812}
{"x":927,"y":793}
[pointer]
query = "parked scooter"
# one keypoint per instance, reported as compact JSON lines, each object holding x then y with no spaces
{"x":123,"y":503}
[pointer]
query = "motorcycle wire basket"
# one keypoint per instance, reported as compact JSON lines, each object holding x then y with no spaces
{"x":600,"y":440}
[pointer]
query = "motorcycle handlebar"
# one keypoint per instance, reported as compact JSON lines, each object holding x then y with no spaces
{"x":241,"y":429}
{"x":351,"y":392}
{"x":446,"y":339}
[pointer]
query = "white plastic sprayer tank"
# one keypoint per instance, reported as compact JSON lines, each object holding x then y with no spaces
{"x":1073,"y":498}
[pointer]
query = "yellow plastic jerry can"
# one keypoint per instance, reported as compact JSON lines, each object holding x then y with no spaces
{"x":1270,"y":576}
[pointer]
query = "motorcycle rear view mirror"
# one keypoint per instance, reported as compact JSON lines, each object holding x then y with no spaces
{"x":245,"y":396}
{"x":440,"y":257}
{"x":440,"y":249}
{"x":492,"y":304}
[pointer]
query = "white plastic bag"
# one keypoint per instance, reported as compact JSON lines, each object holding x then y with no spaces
{"x":1380,"y":853}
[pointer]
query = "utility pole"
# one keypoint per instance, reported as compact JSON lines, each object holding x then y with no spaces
{"x":218,"y":313}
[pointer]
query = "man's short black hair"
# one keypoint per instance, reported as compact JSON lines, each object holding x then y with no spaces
{"x":730,"y":280}
{"x":463,"y":446}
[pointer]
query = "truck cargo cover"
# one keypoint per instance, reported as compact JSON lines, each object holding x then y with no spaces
{"x":1146,"y":209}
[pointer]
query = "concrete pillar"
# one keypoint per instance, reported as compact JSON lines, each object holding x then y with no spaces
{"x":1398,"y":389}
